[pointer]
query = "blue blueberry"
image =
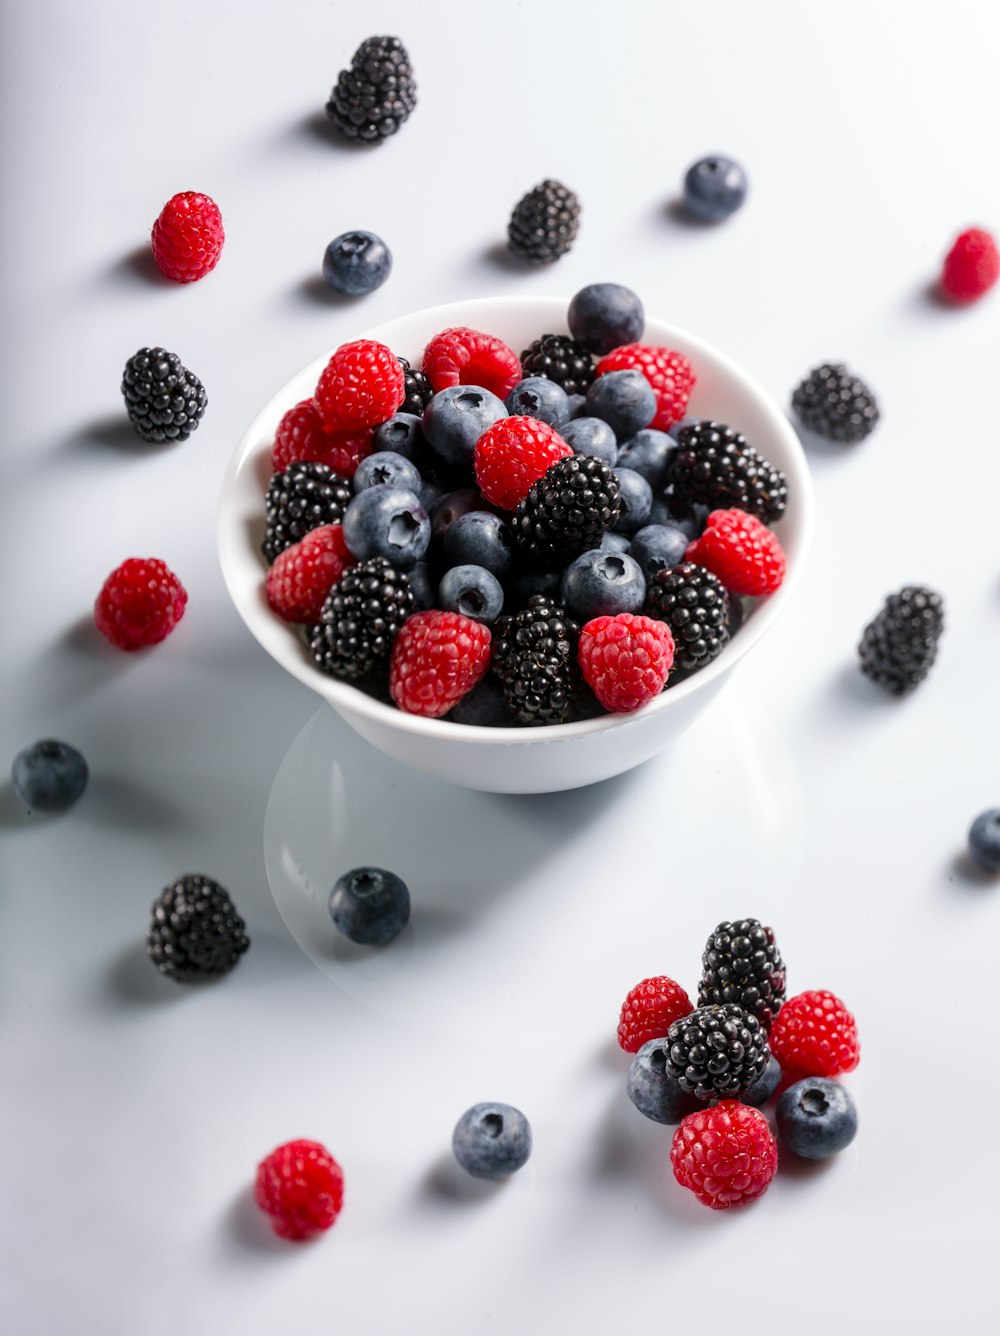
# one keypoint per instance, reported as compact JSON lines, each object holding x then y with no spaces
{"x":984,"y":840}
{"x":451,"y":507}
{"x":576,"y":406}
{"x":49,"y":776}
{"x":676,"y":428}
{"x":479,"y":538}
{"x":714,"y":187}
{"x":615,"y":542}
{"x":658,"y":547}
{"x":385,"y":467}
{"x":485,"y":706}
{"x":521,"y":587}
{"x":636,"y":498}
{"x":538,"y":397}
{"x":603,"y":316}
{"x":602,"y":583}
{"x":591,"y":436}
{"x":370,"y":906}
{"x":816,"y":1118}
{"x":653,"y":1091}
{"x":356,"y":263}
{"x":422,"y":585}
{"x":624,"y":399}
{"x":692,"y":521}
{"x":473,"y":591}
{"x":388,"y":522}
{"x":455,"y":419}
{"x":648,"y":452}
{"x":765,"y":1086}
{"x":492,"y":1140}
{"x":660,"y":511}
{"x":431,"y":492}
{"x":402,"y":433}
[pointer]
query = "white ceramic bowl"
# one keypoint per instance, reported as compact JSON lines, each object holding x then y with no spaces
{"x":513,"y":760}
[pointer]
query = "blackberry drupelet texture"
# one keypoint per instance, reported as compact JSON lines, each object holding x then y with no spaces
{"x":717,"y":1052}
{"x":372,"y":99}
{"x":299,"y":500}
{"x":899,"y":646}
{"x":534,"y":656}
{"x":417,"y":392}
{"x":164,"y":400}
{"x":195,"y":933}
{"x":567,"y":511}
{"x":544,"y":223}
{"x":834,"y":403}
{"x":715,"y":466}
{"x":360,"y":620}
{"x":742,"y":964}
{"x":694,"y":604}
{"x":562,"y":359}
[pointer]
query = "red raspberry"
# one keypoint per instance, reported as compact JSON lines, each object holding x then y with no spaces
{"x":815,"y":1035}
{"x":669,"y":373}
{"x":303,"y":575}
{"x":971,"y":267}
{"x":625,"y":659}
{"x":514,"y":453}
{"x":649,"y":1011}
{"x":187,"y":237}
{"x":726,"y":1155}
{"x":140,"y":603}
{"x":362,"y":385}
{"x":741,"y":551}
{"x":437,"y":659}
{"x":301,"y":1187}
{"x":462,"y":356}
{"x":302,"y":434}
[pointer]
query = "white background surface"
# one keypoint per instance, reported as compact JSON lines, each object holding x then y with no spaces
{"x":134,"y":1112}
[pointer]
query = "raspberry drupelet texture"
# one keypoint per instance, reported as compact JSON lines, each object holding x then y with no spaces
{"x":164,"y":400}
{"x":558,"y":357}
{"x":670,"y":374}
{"x":417,"y":390}
{"x":815,"y":1035}
{"x":140,"y":603}
{"x":301,"y":1187}
{"x":835,"y":403}
{"x":195,"y":933}
{"x":725,"y":1155}
{"x":899,"y":646}
{"x":567,"y":511}
{"x":512,"y":454}
{"x":372,"y":99}
{"x":625,"y":659}
{"x":694,"y":604}
{"x":544,"y":223}
{"x":464,"y":356}
{"x":187,"y":237}
{"x":302,"y":434}
{"x":715,"y":466}
{"x":362,"y":385}
{"x":437,"y":659}
{"x":303,"y":497}
{"x":971,"y":267}
{"x":741,"y":963}
{"x":302,"y":575}
{"x":534,"y":658}
{"x":742,"y":552}
{"x":361,"y":618}
{"x":717,"y":1052}
{"x":649,"y":1010}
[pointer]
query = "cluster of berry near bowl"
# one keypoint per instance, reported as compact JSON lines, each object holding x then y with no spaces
{"x":518,"y":759}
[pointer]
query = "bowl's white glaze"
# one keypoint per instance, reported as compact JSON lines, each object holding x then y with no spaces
{"x":513,"y":760}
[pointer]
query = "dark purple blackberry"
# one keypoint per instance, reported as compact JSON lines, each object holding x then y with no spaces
{"x":360,"y":619}
{"x":534,"y":657}
{"x":742,"y":964}
{"x":694,"y":604}
{"x":899,"y":646}
{"x":417,"y":392}
{"x":195,"y":932}
{"x":714,"y":466}
{"x":558,"y":357}
{"x":834,"y":403}
{"x":544,"y":223}
{"x":567,"y":511}
{"x":372,"y":99}
{"x":302,"y":498}
{"x":717,"y":1052}
{"x":164,"y":400}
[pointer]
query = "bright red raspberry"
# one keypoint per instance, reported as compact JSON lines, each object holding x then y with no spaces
{"x":625,"y":659}
{"x":437,"y":658}
{"x":362,"y":385}
{"x":462,"y":356}
{"x":741,"y":551}
{"x":726,"y":1155}
{"x":302,"y":434}
{"x":971,"y":267}
{"x":140,"y":603}
{"x":301,"y":1187}
{"x":512,"y":454}
{"x":815,"y":1035}
{"x":303,"y":575}
{"x":650,"y":1009}
{"x":669,"y":373}
{"x":187,"y":237}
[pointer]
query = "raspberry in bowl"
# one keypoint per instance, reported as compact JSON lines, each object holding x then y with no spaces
{"x":521,"y":460}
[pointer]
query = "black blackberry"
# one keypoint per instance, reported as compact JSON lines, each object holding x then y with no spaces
{"x":742,"y":964}
{"x":899,"y":646}
{"x":544,"y":223}
{"x":714,"y":466}
{"x":834,"y":403}
{"x":195,"y":932}
{"x":534,"y":656}
{"x":716,"y":1052}
{"x":567,"y":511}
{"x":558,"y":357}
{"x":302,"y":498}
{"x":417,"y":392}
{"x":164,"y":400}
{"x":694,"y":604}
{"x":372,"y":99}
{"x":360,"y":619}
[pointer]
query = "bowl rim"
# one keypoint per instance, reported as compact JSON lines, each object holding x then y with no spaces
{"x":234,"y":552}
